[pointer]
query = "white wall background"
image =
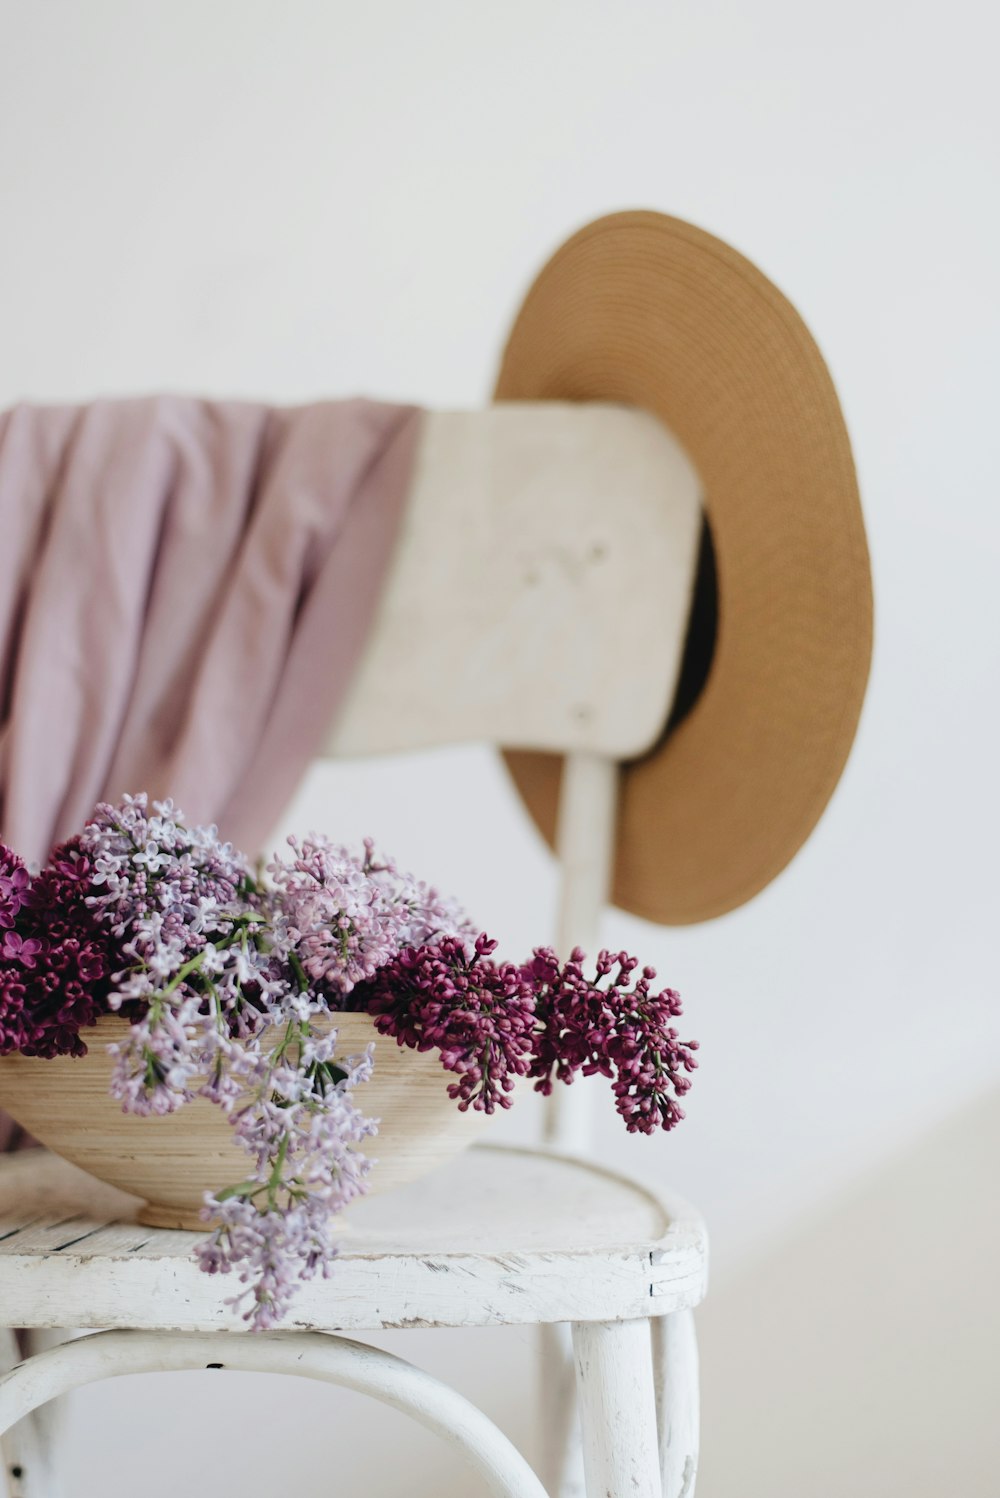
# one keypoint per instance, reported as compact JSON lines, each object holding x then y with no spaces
{"x":316,"y":198}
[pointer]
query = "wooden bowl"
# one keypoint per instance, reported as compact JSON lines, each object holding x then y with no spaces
{"x":171,"y":1162}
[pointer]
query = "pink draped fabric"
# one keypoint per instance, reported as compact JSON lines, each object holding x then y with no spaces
{"x":185,"y":589}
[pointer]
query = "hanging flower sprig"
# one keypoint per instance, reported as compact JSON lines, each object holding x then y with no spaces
{"x":478,"y":1014}
{"x":220,"y":1008}
{"x":231,"y":980}
{"x":494,"y":1022}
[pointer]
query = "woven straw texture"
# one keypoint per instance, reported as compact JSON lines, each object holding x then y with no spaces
{"x":656,"y":313}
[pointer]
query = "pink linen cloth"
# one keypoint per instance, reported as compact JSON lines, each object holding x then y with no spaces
{"x":185,"y":589}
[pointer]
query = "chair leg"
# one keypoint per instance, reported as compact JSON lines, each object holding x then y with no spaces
{"x":675,"y":1372}
{"x":614,"y":1372}
{"x":28,"y":1449}
{"x":560,"y":1447}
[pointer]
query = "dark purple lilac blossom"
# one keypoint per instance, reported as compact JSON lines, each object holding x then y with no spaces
{"x":55,"y":959}
{"x":68,"y":972}
{"x":15,"y":885}
{"x":622,"y":1030}
{"x":478,"y":1014}
{"x":493,"y":1022}
{"x":221,"y":975}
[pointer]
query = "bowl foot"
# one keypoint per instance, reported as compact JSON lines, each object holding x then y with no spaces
{"x":152,"y":1216}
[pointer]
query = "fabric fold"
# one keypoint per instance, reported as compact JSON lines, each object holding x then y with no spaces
{"x":186,"y":587}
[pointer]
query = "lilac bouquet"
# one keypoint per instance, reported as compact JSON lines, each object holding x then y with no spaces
{"x":223,"y":970}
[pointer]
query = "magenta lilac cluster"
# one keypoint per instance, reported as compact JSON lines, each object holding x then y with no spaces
{"x":55,"y":955}
{"x":614,"y":1024}
{"x":478,"y":1014}
{"x":494,"y":1022}
{"x":222,"y":974}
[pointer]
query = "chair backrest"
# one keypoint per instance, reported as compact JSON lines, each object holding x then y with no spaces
{"x":540,"y":589}
{"x":538,"y":598}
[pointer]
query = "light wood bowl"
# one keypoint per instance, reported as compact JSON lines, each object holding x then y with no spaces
{"x":171,"y":1162}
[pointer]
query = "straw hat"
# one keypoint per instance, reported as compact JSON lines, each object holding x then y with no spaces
{"x":653,"y":312}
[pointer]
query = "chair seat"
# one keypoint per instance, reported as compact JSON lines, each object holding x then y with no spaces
{"x":497,"y":1236}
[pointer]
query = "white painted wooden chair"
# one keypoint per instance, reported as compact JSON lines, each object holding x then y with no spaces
{"x":502,"y":621}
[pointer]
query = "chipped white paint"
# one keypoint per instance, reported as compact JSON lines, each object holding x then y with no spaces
{"x":675,"y":1371}
{"x":333,"y":1360}
{"x":497,"y":1236}
{"x":28,"y":1448}
{"x":584,"y":839}
{"x":543,"y":547}
{"x":614,"y":1374}
{"x":561,"y":1446}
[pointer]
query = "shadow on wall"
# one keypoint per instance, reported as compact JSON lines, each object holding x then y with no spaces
{"x":862,"y":1357}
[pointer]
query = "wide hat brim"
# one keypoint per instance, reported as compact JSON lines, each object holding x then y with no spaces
{"x":650,"y":311}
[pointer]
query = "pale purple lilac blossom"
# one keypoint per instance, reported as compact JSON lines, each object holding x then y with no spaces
{"x":300,"y":1124}
{"x":346,"y":915}
{"x":220,"y":1008}
{"x":229,"y":985}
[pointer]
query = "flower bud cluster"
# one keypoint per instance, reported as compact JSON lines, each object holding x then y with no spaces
{"x":494,"y":1022}
{"x":228,"y":981}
